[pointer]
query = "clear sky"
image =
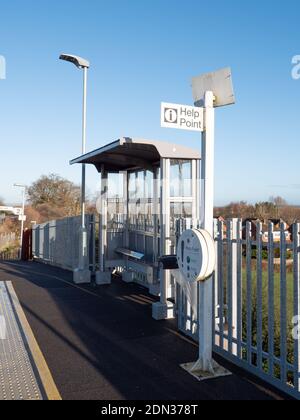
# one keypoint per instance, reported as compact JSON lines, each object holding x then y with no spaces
{"x":142,"y":53}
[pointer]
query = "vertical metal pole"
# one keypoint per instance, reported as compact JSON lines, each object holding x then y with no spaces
{"x":249,"y":288}
{"x":155,"y":216}
{"x":126,"y":215}
{"x":194,"y":181}
{"x":229,"y":251}
{"x":283,"y":305}
{"x":22,"y":221}
{"x":259,"y":304}
{"x":83,"y":240}
{"x":207,"y":214}
{"x":103,"y":219}
{"x":296,"y":254}
{"x":234,"y":263}
{"x":220,"y":268}
{"x":164,"y":230}
{"x":126,"y":210}
{"x":271,"y":299}
{"x":167,"y":249}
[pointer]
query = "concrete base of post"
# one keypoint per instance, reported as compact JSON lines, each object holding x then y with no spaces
{"x":128,"y":276}
{"x":103,"y":279}
{"x":81,"y":276}
{"x":196,"y":370}
{"x":162,"y":311}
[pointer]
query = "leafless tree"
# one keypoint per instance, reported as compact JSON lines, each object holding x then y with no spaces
{"x":54,"y":197}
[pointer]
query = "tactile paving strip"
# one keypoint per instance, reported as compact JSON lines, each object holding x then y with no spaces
{"x":17,"y":378}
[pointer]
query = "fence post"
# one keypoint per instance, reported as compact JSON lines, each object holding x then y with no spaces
{"x":249,"y":291}
{"x":259,"y":301}
{"x":216,"y":283}
{"x":239,"y":287}
{"x":283,"y":305}
{"x":234,"y":260}
{"x":296,"y":255}
{"x":221,"y":282}
{"x":271,"y":291}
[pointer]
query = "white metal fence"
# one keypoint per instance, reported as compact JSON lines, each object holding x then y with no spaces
{"x":257,"y":300}
{"x":57,"y":242}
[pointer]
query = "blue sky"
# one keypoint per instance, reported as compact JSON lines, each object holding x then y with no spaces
{"x":142,"y":53}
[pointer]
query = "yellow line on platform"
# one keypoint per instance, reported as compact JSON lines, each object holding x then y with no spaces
{"x":39,"y":360}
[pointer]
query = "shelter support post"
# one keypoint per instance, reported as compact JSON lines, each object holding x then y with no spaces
{"x":103,"y":277}
{"x":164,"y":309}
{"x":127,"y":275}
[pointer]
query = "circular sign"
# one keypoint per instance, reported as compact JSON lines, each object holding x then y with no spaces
{"x":196,"y":255}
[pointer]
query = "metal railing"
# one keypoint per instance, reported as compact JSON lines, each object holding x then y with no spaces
{"x":257,"y":299}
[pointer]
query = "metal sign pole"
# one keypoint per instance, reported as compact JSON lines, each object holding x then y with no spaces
{"x":211,"y":90}
{"x":207,"y":220}
{"x":206,"y":367}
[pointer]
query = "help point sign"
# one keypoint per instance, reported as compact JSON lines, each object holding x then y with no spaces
{"x":182,"y":117}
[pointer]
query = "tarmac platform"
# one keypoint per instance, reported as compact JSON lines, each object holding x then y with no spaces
{"x":99,"y":343}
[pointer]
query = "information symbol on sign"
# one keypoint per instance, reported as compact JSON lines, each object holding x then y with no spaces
{"x":171,"y":115}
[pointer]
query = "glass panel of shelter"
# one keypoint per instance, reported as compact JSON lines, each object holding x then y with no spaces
{"x":141,"y":212}
{"x":134,"y":215}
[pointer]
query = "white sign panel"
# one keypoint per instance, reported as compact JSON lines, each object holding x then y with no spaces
{"x":4,"y":208}
{"x":182,"y":117}
{"x":17,"y":211}
{"x":218,"y":82}
{"x":22,"y":218}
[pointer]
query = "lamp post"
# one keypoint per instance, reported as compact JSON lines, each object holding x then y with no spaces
{"x":23,"y":187}
{"x":82,"y":274}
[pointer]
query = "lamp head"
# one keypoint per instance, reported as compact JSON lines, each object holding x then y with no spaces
{"x":79,"y":62}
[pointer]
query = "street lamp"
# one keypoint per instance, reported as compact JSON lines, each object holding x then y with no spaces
{"x":82,"y":274}
{"x":22,"y":216}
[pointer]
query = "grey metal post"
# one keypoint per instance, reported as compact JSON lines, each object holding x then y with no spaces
{"x":82,"y":274}
{"x":103,"y":219}
{"x":163,"y":234}
{"x":23,"y":187}
{"x":23,"y":214}
{"x":206,"y":313}
{"x":83,"y":254}
{"x":234,"y":265}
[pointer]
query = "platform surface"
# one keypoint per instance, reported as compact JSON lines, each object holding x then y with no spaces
{"x":101,"y":343}
{"x":17,"y":378}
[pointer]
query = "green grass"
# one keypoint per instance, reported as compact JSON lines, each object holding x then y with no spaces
{"x":265,"y":313}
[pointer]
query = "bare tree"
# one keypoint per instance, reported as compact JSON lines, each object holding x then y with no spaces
{"x":54,"y":197}
{"x":239,"y":209}
{"x":278,"y":201}
{"x":266,"y":210}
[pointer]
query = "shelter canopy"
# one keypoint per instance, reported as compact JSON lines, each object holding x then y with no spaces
{"x":128,"y":154}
